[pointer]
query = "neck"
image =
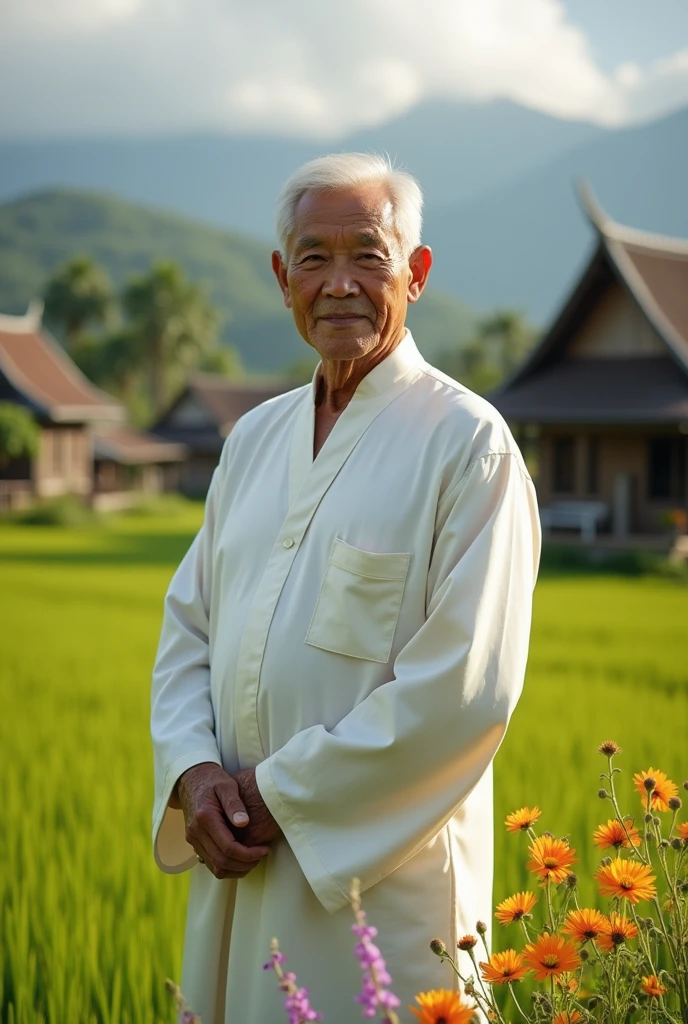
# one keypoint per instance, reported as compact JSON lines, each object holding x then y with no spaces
{"x":339,"y":378}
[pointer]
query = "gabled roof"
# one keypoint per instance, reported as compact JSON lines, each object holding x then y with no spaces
{"x":653,"y":269}
{"x":222,"y":400}
{"x":134,"y":447}
{"x":43,"y":375}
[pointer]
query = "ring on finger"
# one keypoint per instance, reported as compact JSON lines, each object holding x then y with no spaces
{"x":199,"y":859}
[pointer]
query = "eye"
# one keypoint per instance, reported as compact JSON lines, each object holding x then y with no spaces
{"x":311,"y":257}
{"x":370,"y":257}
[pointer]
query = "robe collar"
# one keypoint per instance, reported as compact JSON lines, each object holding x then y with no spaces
{"x":404,"y":358}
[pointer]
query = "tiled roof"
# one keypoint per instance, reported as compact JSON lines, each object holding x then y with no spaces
{"x":134,"y":447}
{"x":42,"y":372}
{"x":548,"y":386}
{"x":641,"y":390}
{"x":227,"y":400}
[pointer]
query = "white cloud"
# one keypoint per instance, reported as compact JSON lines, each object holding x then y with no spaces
{"x":142,"y":66}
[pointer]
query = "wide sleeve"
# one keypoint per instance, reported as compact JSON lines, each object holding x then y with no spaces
{"x":182,"y":719}
{"x":361,"y":799}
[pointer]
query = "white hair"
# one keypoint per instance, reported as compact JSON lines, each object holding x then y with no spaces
{"x":349,"y":171}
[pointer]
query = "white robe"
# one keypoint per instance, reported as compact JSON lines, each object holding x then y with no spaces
{"x":355,"y":628}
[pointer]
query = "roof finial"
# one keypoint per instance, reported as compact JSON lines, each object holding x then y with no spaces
{"x":592,"y":208}
{"x":34,"y":313}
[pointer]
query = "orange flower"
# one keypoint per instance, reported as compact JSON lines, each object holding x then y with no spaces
{"x":613,"y":834}
{"x":514,"y":907}
{"x":567,"y":1018}
{"x":683,"y":830}
{"x":551,"y":954}
{"x":627,"y":880}
{"x":550,"y":858}
{"x":651,"y":987}
{"x":503,"y":967}
{"x":663,"y":790}
{"x":440,"y":1006}
{"x":584,"y":924}
{"x":615,"y":931}
{"x":522,"y":819}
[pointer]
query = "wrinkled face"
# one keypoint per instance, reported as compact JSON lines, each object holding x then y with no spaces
{"x":344,"y":276}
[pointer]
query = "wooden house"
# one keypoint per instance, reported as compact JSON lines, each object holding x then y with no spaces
{"x":85,"y":447}
{"x":605,"y":392}
{"x":201,"y":418}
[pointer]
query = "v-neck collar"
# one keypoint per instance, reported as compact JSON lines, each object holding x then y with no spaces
{"x":373,"y":393}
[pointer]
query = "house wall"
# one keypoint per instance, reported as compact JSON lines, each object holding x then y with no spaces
{"x":615,"y":329}
{"x":64,"y":464}
{"x":620,"y":452}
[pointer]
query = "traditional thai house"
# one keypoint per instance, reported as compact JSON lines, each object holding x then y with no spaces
{"x":85,"y":447}
{"x":201,"y":418}
{"x":605,"y":392}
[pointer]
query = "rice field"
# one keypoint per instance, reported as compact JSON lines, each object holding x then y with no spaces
{"x":89,"y":929}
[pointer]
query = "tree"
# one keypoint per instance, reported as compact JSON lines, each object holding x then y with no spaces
{"x":172,"y":325}
{"x":224,"y":360}
{"x":19,"y":433}
{"x":500,"y":343}
{"x":78,"y":295}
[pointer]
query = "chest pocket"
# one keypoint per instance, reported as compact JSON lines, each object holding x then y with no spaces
{"x":358,"y":606}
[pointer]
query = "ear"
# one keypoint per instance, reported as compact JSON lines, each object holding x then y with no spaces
{"x":419,"y":265}
{"x":280,"y":272}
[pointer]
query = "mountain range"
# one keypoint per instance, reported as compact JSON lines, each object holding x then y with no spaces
{"x":40,"y":231}
{"x":499,"y":179}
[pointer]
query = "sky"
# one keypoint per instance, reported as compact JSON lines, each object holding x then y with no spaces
{"x":312,"y":68}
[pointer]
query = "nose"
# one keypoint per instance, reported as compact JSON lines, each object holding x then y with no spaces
{"x":340,"y":282}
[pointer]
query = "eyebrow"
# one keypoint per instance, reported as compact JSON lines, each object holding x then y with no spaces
{"x":363,"y":238}
{"x":307,"y":242}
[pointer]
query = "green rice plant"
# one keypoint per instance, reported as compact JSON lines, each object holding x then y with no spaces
{"x":89,"y":928}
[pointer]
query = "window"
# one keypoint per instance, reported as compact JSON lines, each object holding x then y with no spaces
{"x":564,"y":481}
{"x":667,"y":467}
{"x":593,"y":464}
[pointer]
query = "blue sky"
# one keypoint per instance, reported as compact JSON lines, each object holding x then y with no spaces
{"x":307,"y":67}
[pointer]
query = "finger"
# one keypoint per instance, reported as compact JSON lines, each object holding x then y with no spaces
{"x":231,"y":803}
{"x":210,"y":827}
{"x":218,"y":864}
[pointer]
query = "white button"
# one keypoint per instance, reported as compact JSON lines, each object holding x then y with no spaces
{"x":289,"y":543}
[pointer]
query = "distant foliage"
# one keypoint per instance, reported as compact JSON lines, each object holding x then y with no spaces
{"x":19,"y":433}
{"x":78,"y":295}
{"x":500,"y":343}
{"x":141,"y":345}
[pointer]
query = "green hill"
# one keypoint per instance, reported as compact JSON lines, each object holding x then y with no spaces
{"x":40,"y":231}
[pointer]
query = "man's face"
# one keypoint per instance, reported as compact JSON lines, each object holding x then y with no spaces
{"x":344,"y":276}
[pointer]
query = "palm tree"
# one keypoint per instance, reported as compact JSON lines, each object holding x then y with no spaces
{"x":173,"y":325}
{"x":78,"y":294}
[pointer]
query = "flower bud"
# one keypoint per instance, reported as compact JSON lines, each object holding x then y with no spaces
{"x":649,"y":923}
{"x":469,"y":988}
{"x":675,"y":803}
{"x":649,"y":836}
{"x":648,"y":819}
{"x":633,"y":1006}
{"x":685,"y":784}
{"x":650,"y":783}
{"x":603,"y":794}
{"x":438,"y":947}
{"x":609,"y":748}
{"x":572,"y":880}
{"x":592,"y":1002}
{"x":467,"y":942}
{"x":656,"y":821}
{"x":664,"y":844}
{"x":676,"y":843}
{"x":481,"y":927}
{"x":584,"y":955}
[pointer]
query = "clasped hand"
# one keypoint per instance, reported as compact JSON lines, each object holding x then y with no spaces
{"x":227,"y":822}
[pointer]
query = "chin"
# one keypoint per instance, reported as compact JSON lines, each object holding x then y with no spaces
{"x":342,"y":345}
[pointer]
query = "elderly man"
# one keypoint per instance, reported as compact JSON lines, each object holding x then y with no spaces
{"x":346,"y":639}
